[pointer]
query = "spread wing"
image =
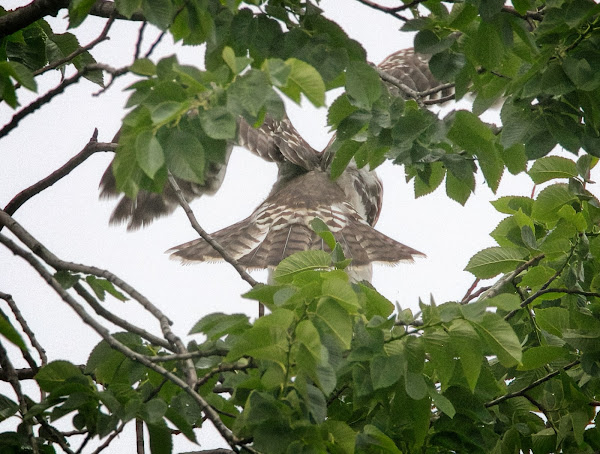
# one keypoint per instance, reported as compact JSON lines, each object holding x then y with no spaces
{"x":275,"y":141}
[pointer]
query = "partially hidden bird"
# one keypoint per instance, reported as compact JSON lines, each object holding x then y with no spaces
{"x":280,"y":226}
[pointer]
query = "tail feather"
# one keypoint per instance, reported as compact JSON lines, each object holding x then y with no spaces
{"x":255,"y":247}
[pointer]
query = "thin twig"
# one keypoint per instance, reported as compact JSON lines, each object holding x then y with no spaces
{"x":189,"y":355}
{"x":91,"y":147}
{"x":127,"y":326}
{"x":139,"y":436}
{"x":409,"y":92}
{"x":206,"y":237}
{"x":140,"y":38}
{"x":224,"y":368}
{"x":532,"y":385}
{"x":393,"y":11}
{"x":102,"y":37}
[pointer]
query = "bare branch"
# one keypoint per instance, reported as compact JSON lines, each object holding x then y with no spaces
{"x":27,"y":330}
{"x":127,"y":326}
{"x":409,"y":92}
{"x":532,"y":385}
{"x":393,"y":11}
{"x":206,"y":237}
{"x":20,"y":18}
{"x":41,"y":251}
{"x":91,"y":147}
{"x":210,"y":413}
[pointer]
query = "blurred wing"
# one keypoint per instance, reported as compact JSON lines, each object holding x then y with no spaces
{"x":274,"y":141}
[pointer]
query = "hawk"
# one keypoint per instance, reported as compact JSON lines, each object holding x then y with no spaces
{"x":280,"y":226}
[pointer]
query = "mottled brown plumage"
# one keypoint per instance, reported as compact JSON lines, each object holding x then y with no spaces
{"x":280,"y":226}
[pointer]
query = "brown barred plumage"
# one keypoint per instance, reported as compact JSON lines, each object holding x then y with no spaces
{"x":280,"y":226}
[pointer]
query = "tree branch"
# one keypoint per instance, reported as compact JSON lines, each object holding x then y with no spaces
{"x":90,"y":148}
{"x":102,"y":37}
{"x":210,"y":413}
{"x":206,"y":237}
{"x":20,"y":18}
{"x":25,"y":327}
{"x":393,"y":11}
{"x":532,"y":385}
{"x":41,"y":251}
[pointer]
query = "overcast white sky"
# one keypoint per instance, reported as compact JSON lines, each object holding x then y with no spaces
{"x":70,"y":220}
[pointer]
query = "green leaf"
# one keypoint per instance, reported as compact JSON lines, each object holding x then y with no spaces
{"x":55,"y":374}
{"x":304,"y":78}
{"x":536,"y":357}
{"x":372,"y":438}
{"x":467,"y":345}
{"x":167,"y":111}
{"x":363,"y":84}
{"x":550,"y":167}
{"x":333,"y":320}
{"x":100,"y":286}
{"x":277,"y":71}
{"x":343,"y":156}
{"x":501,"y":338}
{"x":153,"y":411}
{"x":149,"y":153}
{"x":185,"y":156}
{"x":342,"y":292}
{"x":321,"y":229}
{"x":218,"y":123}
{"x":217,"y":325}
{"x":427,"y":182}
{"x":442,"y":403}
{"x":78,"y":11}
{"x":495,"y":260}
{"x":385,"y":370}
{"x":550,"y":200}
{"x":143,"y":67}
{"x":471,"y":134}
{"x":299,"y":262}
{"x":555,"y":320}
{"x":7,"y":407}
{"x":267,"y":339}
{"x":158,"y":12}
{"x":160,"y":438}
{"x":22,"y":75}
{"x":10,"y":333}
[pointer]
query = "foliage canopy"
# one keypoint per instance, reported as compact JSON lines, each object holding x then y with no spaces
{"x":335,"y":367}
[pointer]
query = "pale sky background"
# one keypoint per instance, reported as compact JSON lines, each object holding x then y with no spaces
{"x":70,"y":220}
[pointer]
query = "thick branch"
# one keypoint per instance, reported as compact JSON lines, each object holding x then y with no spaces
{"x":26,"y":15}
